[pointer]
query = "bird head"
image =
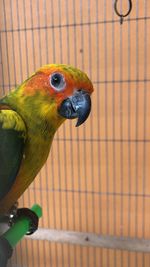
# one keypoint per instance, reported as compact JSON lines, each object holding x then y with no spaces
{"x":58,"y":92}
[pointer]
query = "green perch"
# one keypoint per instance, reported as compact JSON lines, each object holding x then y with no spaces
{"x":11,"y":237}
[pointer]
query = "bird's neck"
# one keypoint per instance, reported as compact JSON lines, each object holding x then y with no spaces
{"x":38,"y":112}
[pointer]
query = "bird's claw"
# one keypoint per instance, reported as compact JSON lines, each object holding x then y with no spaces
{"x":12,"y":214}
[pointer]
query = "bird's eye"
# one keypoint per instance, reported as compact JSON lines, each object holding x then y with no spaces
{"x":57,"y":81}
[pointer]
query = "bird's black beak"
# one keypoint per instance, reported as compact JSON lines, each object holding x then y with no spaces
{"x":76,"y":106}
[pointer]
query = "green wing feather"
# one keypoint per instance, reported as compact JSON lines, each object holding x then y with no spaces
{"x":12,"y":141}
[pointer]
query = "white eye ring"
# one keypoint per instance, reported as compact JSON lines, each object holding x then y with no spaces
{"x":57,"y":81}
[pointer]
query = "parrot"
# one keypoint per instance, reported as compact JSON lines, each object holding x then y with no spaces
{"x":30,"y":115}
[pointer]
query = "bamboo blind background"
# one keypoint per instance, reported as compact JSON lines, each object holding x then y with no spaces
{"x":97,"y":177}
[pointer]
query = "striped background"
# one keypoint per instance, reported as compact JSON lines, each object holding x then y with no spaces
{"x":97,"y":177}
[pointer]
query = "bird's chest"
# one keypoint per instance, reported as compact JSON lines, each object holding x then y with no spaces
{"x":35,"y":155}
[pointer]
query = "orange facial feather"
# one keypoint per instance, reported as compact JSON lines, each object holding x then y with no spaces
{"x":75,"y":79}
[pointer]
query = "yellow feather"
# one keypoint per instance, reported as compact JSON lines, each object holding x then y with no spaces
{"x":11,"y":120}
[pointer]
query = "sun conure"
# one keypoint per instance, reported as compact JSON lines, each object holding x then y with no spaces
{"x":29,"y":117}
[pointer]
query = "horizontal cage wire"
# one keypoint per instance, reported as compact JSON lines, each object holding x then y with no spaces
{"x":94,"y":188}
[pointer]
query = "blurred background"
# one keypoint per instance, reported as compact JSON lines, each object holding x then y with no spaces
{"x":96,"y":179}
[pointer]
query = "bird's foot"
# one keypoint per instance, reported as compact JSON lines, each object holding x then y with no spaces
{"x":12,"y":214}
{"x":15,"y":214}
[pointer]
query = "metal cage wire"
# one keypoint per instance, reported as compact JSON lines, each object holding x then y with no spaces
{"x":96,"y":179}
